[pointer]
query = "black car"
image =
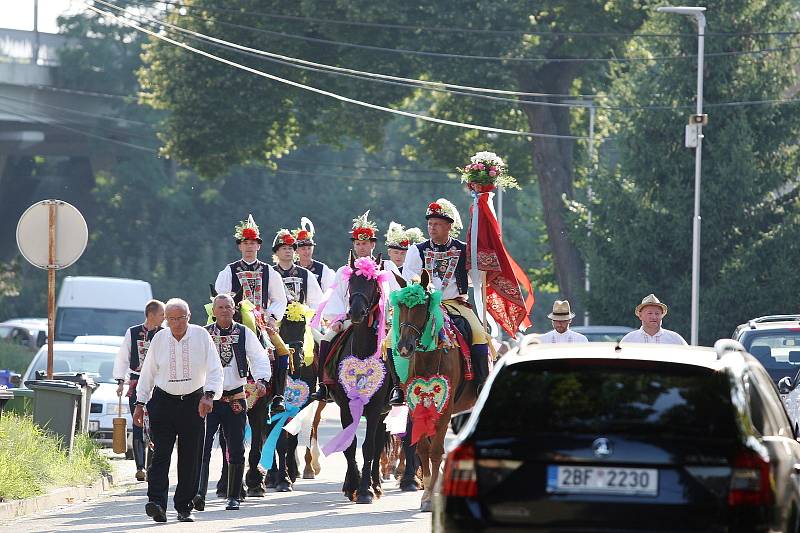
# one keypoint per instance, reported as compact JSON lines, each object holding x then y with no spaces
{"x":603,"y":437}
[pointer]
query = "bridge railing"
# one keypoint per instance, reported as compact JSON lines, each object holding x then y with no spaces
{"x":20,"y":46}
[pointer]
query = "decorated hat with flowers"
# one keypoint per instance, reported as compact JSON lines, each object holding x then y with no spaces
{"x":399,"y":238}
{"x":247,"y":230}
{"x":485,"y":171}
{"x":284,"y":237}
{"x":445,"y":210}
{"x":305,"y":233}
{"x":364,"y":229}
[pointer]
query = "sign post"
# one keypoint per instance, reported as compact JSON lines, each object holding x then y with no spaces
{"x":67,"y":236}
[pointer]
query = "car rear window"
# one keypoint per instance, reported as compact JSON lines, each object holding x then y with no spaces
{"x":602,"y":396}
{"x":772,"y":347}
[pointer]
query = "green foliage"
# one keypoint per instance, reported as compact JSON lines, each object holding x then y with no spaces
{"x":642,"y":233}
{"x":15,"y":357}
{"x":32,"y":461}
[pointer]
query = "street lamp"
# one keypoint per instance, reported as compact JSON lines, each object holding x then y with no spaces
{"x":694,"y":138}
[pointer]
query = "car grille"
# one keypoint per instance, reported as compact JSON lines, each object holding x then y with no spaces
{"x":96,"y":408}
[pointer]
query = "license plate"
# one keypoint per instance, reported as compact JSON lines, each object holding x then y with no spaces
{"x":94,"y":425}
{"x":602,"y":480}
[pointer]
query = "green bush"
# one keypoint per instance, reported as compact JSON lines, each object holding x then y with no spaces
{"x":32,"y":461}
{"x":15,"y":357}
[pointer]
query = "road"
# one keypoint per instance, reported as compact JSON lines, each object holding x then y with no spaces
{"x":315,"y":505}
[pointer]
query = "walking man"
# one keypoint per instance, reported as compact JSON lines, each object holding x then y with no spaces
{"x":129,"y":362}
{"x":651,"y":312}
{"x":561,"y":318}
{"x":179,"y":381}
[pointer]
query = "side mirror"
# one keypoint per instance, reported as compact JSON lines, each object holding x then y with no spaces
{"x":785,"y":385}
{"x":794,"y":356}
{"x":458,"y":420}
{"x":15,"y":380}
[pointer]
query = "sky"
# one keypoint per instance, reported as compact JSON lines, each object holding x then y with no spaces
{"x":18,"y":14}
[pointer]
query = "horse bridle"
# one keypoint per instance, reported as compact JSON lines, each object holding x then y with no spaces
{"x":417,"y":330}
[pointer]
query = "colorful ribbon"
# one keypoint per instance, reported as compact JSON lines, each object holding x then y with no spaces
{"x":268,"y":451}
{"x":343,"y":439}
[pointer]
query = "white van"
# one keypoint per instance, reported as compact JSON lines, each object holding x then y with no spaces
{"x":99,"y":306}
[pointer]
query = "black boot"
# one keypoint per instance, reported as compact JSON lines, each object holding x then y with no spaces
{"x":479,"y":355}
{"x":199,"y":500}
{"x":235,"y":476}
{"x":279,"y":386}
{"x":396,"y":396}
{"x":322,"y":394}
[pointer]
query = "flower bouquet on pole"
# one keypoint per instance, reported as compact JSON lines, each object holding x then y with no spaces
{"x":499,"y":277}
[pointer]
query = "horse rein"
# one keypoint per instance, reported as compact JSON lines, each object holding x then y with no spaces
{"x":417,"y":330}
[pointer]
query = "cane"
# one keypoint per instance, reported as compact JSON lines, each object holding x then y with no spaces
{"x":120,"y":440}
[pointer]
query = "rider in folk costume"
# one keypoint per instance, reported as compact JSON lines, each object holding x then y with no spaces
{"x":398,"y":239}
{"x":260,"y":284}
{"x":129,"y":361}
{"x":363,"y":237}
{"x":305,"y":251}
{"x":300,"y":283}
{"x":445,"y":259}
{"x":240,"y":353}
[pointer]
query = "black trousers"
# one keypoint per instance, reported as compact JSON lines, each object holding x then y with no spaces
{"x":138,"y":436}
{"x":232,"y":427}
{"x":172,"y":417}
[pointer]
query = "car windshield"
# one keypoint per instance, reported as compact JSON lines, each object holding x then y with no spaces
{"x":99,"y":365}
{"x":74,"y":321}
{"x":773,"y":347}
{"x":602,"y":396}
{"x":604,"y":337}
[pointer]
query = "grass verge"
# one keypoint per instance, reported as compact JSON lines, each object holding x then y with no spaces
{"x":32,"y":462}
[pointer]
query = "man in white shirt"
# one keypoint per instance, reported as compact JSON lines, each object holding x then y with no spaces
{"x":240,"y":352}
{"x":179,"y":381}
{"x":305,"y":252}
{"x":129,"y":361}
{"x":651,"y":312}
{"x":561,"y":318}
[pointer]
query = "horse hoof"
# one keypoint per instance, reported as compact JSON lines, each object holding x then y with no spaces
{"x":350,"y":495}
{"x":283,"y":486}
{"x":408,"y":486}
{"x":378,"y":491}
{"x":364,"y":498}
{"x":255,"y":492}
{"x":426,"y":506}
{"x":308,"y":473}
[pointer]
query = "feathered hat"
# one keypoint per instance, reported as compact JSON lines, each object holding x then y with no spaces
{"x":247,"y":230}
{"x":444,"y":209}
{"x":363,"y":228}
{"x":283,"y":238}
{"x":400,"y":238}
{"x":305,"y":233}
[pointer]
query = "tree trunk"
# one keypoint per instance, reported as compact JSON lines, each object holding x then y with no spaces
{"x":553,"y":164}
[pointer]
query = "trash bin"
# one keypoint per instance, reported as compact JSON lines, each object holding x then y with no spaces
{"x":6,"y":394}
{"x":22,"y":402}
{"x":5,"y":378}
{"x":88,"y":386}
{"x":55,"y":407}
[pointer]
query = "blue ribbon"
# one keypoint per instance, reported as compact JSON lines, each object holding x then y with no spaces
{"x":280,"y":419}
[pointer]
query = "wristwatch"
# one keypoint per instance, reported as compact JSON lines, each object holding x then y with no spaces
{"x":263,"y":381}
{"x":209,"y":394}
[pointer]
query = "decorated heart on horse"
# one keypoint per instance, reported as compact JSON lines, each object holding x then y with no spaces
{"x":296,"y":393}
{"x":361,"y":376}
{"x":433,"y":391}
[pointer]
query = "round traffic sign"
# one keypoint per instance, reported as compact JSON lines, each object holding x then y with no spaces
{"x":71,"y":233}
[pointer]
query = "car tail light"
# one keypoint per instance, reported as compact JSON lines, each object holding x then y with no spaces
{"x":751,"y":480}
{"x":460,"y":478}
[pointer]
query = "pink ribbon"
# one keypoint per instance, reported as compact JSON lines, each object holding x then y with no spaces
{"x":343,"y":439}
{"x":345,"y":277}
{"x":383,"y":280}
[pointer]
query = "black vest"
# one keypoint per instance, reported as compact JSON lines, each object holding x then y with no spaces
{"x":460,"y":274}
{"x":140,"y":335}
{"x":239,"y":350}
{"x":317,"y":269}
{"x":296,"y":272}
{"x":241,"y":266}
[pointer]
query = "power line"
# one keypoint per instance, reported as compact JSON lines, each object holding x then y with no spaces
{"x":77,"y":112}
{"x":329,"y":93}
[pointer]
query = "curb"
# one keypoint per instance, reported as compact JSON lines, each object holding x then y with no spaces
{"x":56,"y":498}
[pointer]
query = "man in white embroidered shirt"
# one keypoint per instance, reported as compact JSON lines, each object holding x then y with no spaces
{"x":561,"y":318}
{"x":651,"y":311}
{"x":180,"y":379}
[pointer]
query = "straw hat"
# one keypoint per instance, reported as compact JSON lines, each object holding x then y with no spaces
{"x":650,"y":299}
{"x":561,"y":311}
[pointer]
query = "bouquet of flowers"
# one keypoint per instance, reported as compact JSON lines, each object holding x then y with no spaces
{"x":485,"y":172}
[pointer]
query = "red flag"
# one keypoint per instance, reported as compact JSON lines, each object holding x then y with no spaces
{"x":503,"y":275}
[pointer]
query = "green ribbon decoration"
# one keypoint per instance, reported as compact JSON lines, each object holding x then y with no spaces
{"x":412,"y":296}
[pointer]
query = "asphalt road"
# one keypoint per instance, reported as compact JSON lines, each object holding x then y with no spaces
{"x":315,"y":505}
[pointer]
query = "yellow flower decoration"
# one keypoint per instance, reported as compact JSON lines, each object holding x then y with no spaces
{"x":296,"y":312}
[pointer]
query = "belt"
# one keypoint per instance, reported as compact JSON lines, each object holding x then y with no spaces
{"x":178,"y":397}
{"x":134,"y":375}
{"x":233,"y":394}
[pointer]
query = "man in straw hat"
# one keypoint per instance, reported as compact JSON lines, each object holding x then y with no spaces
{"x":651,"y":311}
{"x":561,"y":318}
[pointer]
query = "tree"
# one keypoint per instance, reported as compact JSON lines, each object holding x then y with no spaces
{"x":221,"y":116}
{"x":642,"y":234}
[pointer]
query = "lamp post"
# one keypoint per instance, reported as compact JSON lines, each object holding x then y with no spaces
{"x":694,"y":138}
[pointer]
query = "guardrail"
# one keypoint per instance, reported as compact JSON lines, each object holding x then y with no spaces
{"x":23,"y":46}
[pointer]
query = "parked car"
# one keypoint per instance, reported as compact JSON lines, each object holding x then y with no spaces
{"x":106,"y":340}
{"x":28,"y":332}
{"x":637,"y":437}
{"x":99,"y":306}
{"x":98,"y":362}
{"x":602,"y":333}
{"x":774,"y":340}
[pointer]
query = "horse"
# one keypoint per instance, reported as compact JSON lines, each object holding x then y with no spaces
{"x":360,"y":377}
{"x":437,"y":384}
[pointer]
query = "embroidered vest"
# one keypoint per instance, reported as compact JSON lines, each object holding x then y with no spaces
{"x":255,"y":279}
{"x":231,"y":346}
{"x":295,"y":280}
{"x":317,"y":269}
{"x":140,"y":342}
{"x":447,"y":262}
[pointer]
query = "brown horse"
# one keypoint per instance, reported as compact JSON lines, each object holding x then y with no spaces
{"x":444,"y":361}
